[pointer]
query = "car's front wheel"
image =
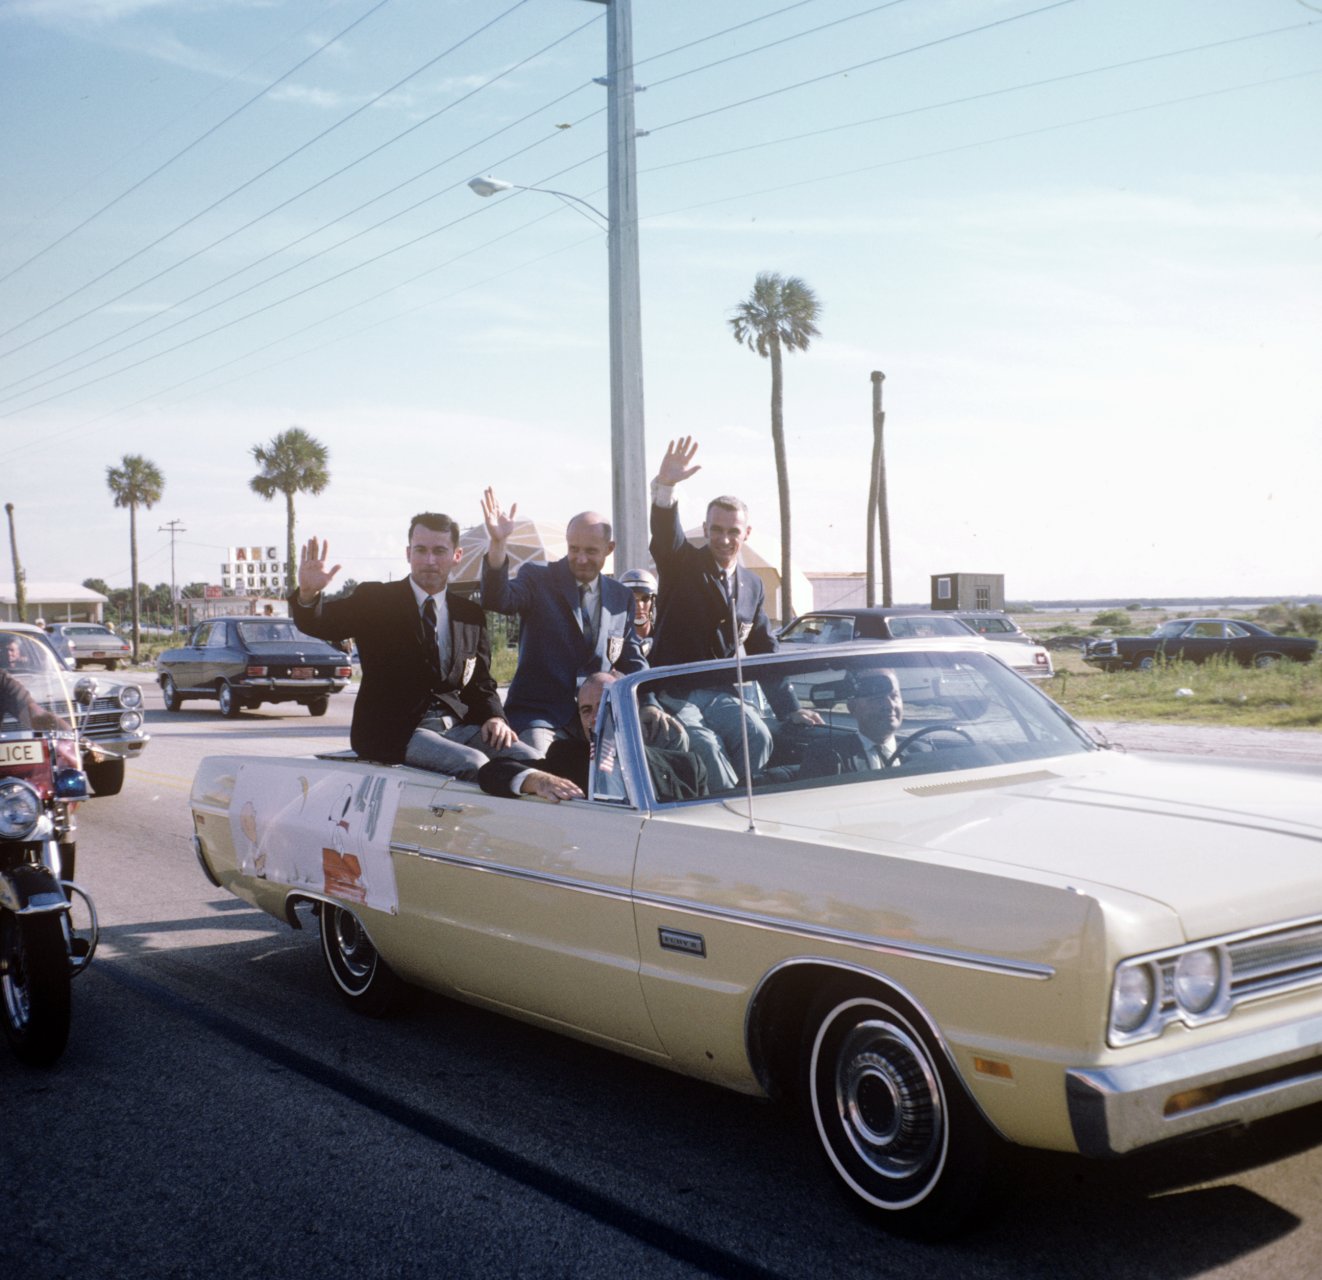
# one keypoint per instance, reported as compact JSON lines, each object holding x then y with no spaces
{"x":105,"y":777}
{"x":230,"y":705}
{"x":34,"y":986}
{"x":365,"y":982}
{"x":889,"y":1114}
{"x":1145,"y":662}
{"x":170,"y":693}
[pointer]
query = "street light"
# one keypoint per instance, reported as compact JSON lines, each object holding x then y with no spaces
{"x":628,"y":448}
{"x":489,"y":186}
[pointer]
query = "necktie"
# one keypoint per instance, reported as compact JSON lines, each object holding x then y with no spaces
{"x":584,"y":613}
{"x":429,"y":633}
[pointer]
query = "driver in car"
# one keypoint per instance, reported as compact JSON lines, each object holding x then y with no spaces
{"x":877,"y":706}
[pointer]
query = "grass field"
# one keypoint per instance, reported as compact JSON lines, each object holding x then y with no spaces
{"x":1286,"y":696}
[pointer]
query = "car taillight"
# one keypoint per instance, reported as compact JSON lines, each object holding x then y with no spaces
{"x":1040,"y":659}
{"x":254,"y":671}
{"x":344,"y":673}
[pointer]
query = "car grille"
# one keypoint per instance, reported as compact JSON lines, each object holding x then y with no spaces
{"x":101,"y":719}
{"x":1271,"y":963}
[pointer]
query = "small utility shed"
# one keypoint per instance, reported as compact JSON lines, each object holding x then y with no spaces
{"x":968,"y":591}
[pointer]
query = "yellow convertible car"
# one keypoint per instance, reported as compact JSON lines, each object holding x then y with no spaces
{"x":918,"y":899}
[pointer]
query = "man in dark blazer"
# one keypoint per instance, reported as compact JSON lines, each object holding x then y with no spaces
{"x":427,"y":696}
{"x":877,"y":706}
{"x":574,"y":620}
{"x":708,"y":604}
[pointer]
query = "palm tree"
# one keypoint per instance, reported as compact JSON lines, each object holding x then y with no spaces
{"x":135,"y":483}
{"x":292,"y":462}
{"x":779,"y":315}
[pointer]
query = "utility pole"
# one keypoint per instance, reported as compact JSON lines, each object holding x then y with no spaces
{"x":878,"y":509}
{"x":173,"y":528}
{"x":20,"y":586}
{"x":628,"y":445}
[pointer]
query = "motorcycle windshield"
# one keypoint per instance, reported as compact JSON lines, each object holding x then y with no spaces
{"x":33,"y":692}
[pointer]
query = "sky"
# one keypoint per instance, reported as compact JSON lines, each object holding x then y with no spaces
{"x":1080,"y":239}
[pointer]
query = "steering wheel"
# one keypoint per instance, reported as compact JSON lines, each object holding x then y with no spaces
{"x":902,"y":747}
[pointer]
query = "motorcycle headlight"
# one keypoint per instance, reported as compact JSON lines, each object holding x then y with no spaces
{"x":130,"y":696}
{"x":1197,"y":980}
{"x":130,"y":721}
{"x":1132,"y":997}
{"x":20,"y":809}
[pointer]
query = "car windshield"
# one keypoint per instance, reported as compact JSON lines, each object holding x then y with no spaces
{"x":888,"y":715}
{"x":274,"y":631}
{"x":819,"y":629}
{"x":33,"y":691}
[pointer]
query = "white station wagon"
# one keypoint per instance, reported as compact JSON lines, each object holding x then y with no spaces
{"x":972,"y":927}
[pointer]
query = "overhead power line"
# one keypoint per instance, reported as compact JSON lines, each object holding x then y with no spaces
{"x":220,"y":124}
{"x":243,"y":186}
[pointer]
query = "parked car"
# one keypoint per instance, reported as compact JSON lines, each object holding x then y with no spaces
{"x":1197,"y":640}
{"x":884,"y":622}
{"x":111,"y":722}
{"x":994,"y":625}
{"x":246,"y":661}
{"x":85,"y":643}
{"x":1008,"y":933}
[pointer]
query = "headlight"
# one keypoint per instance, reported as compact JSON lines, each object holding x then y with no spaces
{"x":20,"y":810}
{"x":130,"y":721}
{"x":1132,"y":997}
{"x":1197,"y":980}
{"x":130,"y":696}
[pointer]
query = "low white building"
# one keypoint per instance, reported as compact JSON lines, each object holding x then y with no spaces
{"x":53,"y":602}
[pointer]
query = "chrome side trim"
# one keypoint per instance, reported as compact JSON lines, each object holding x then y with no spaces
{"x":819,"y":933}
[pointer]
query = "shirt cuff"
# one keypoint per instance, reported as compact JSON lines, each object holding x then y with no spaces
{"x":663,"y":495}
{"x":516,"y":782}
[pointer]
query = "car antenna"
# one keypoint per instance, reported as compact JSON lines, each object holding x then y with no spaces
{"x":739,"y":684}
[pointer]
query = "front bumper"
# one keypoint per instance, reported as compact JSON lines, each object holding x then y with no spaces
{"x":1118,"y":1109}
{"x":117,"y":746}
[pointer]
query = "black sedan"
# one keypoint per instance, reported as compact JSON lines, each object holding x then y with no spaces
{"x":244,"y":662}
{"x":1197,"y":640}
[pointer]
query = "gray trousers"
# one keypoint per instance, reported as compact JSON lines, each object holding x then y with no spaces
{"x":458,"y":751}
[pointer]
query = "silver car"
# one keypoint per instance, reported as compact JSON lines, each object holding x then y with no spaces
{"x":87,"y":643}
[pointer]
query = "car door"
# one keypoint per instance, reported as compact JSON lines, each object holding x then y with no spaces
{"x":1200,"y":641}
{"x":534,"y":905}
{"x":185,"y":667}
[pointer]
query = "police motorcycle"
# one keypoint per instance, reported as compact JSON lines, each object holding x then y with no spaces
{"x":48,"y":929}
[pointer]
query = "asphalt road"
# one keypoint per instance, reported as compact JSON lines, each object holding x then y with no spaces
{"x":220,"y":1114}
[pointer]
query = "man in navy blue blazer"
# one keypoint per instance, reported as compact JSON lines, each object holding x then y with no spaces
{"x":707,"y":605}
{"x":574,"y":621}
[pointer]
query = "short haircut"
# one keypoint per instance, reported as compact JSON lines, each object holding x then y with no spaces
{"x":727,"y":502}
{"x":586,"y":517}
{"x":437,"y":523}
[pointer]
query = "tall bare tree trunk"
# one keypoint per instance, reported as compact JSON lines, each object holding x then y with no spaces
{"x":133,"y":577}
{"x":782,"y":480}
{"x":291,"y":563}
{"x":20,"y":583}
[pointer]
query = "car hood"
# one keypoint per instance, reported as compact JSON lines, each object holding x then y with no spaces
{"x":1224,"y":848}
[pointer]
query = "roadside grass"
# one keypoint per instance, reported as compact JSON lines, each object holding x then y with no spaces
{"x":1221,"y":692}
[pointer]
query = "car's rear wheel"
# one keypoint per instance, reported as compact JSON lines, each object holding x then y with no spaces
{"x":230,"y":705}
{"x":106,"y":777}
{"x":112,"y":665}
{"x":1266,"y":659}
{"x":318,"y":706}
{"x":890,"y":1115}
{"x":365,"y":982}
{"x":171,"y":694}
